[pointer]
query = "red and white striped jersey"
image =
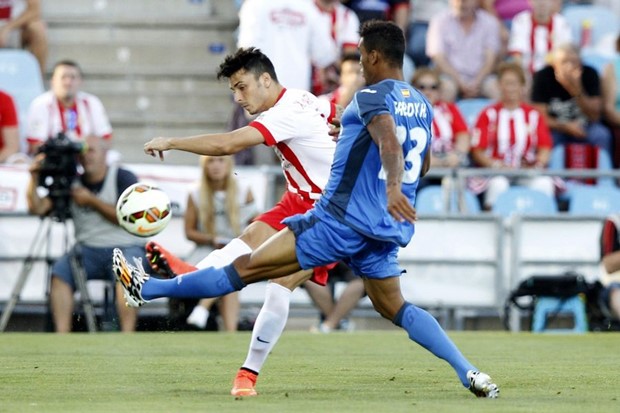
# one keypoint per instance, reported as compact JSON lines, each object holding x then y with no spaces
{"x":447,"y":123}
{"x":47,"y":117}
{"x":11,"y":9}
{"x":297,"y":128}
{"x":534,"y":41}
{"x":343,"y":25}
{"x":512,"y":136}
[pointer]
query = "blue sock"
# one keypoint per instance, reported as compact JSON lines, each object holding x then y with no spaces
{"x":426,"y":331}
{"x":204,"y":283}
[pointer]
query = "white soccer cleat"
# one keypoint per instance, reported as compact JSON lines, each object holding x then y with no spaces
{"x":481,"y":385}
{"x":130,"y":277}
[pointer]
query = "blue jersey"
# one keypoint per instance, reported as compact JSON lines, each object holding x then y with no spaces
{"x":356,"y":191}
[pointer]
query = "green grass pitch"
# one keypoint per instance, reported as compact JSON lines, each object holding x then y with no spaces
{"x":378,"y":371}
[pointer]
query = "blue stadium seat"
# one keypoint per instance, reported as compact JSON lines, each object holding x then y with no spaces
{"x":431,"y":200}
{"x":595,"y":60}
{"x":521,"y":200}
{"x":594,"y":200}
{"x":603,"y":21}
{"x":20,"y":76}
{"x":471,"y":108}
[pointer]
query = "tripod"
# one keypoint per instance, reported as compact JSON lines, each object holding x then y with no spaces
{"x":42,"y":237}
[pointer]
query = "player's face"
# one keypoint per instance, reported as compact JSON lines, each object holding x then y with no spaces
{"x":65,"y":82}
{"x":364,"y":63}
{"x":249,"y":92}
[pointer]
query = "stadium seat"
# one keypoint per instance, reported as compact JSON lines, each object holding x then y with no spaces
{"x":434,"y":199}
{"x":594,"y":200}
{"x":603,"y":21}
{"x":20,"y":76}
{"x":431,"y":200}
{"x":471,"y":108}
{"x":521,"y":200}
{"x":594,"y":59}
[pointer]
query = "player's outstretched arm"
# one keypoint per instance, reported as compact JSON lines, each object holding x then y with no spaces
{"x":214,"y":144}
{"x":383,"y":132}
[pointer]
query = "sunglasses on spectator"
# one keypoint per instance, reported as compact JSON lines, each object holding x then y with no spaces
{"x":433,"y":86}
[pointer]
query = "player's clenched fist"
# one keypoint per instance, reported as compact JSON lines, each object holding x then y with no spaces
{"x":157,"y":146}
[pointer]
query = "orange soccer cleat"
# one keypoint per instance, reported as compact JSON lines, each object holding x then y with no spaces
{"x":165,"y":263}
{"x":243,"y":385}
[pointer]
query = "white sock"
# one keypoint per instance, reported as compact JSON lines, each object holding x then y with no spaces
{"x":198,"y":317}
{"x":269,"y":325}
{"x":226,"y":255}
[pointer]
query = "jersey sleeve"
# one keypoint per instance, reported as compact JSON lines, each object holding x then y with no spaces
{"x":459,"y":124}
{"x":9,"y":113}
{"x":323,"y":49}
{"x":370,"y":103}
{"x":277,"y":124}
{"x":38,"y":124}
{"x":101,"y":123}
{"x":518,"y":42}
{"x":544,"y":134}
{"x":480,"y":136}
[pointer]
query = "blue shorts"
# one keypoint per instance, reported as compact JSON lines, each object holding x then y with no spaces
{"x":326,"y":240}
{"x":97,"y":263}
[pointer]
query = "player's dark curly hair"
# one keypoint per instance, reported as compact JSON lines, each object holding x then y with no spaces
{"x":386,"y":38}
{"x":249,"y":59}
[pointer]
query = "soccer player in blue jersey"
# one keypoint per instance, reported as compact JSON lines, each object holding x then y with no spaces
{"x":364,"y":216}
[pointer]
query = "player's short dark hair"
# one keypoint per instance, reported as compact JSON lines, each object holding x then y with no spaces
{"x":386,"y":38}
{"x":249,"y":59}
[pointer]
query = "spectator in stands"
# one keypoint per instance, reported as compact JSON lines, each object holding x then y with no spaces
{"x":92,"y":203}
{"x":396,"y":11}
{"x":510,"y":134}
{"x":420,"y":14}
{"x":610,"y":264}
{"x":343,"y":25}
{"x":292,"y":34}
{"x":350,"y":80}
{"x":217,"y":210}
{"x":569,"y":95}
{"x":464,"y":44}
{"x":65,"y":108}
{"x":21,"y":26}
{"x":611,"y":100}
{"x":9,"y":128}
{"x":450,"y":143}
{"x":534,"y":34}
{"x":334,"y":312}
{"x":504,"y":11}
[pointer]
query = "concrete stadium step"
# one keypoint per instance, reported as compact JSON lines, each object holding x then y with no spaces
{"x":155,"y":85}
{"x":204,"y":105}
{"x":161,"y":11}
{"x":143,"y":59}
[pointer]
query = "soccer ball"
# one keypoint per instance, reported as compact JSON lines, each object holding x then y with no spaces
{"x":143,"y":210}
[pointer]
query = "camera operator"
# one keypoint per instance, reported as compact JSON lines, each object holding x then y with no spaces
{"x":92,"y":200}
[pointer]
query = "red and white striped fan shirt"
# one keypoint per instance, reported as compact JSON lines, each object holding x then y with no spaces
{"x":297,"y":128}
{"x":447,"y":123}
{"x":533,"y":41}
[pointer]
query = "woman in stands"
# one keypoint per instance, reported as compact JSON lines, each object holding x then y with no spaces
{"x":450,"y":143}
{"x":217,"y":210}
{"x":510,"y":134}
